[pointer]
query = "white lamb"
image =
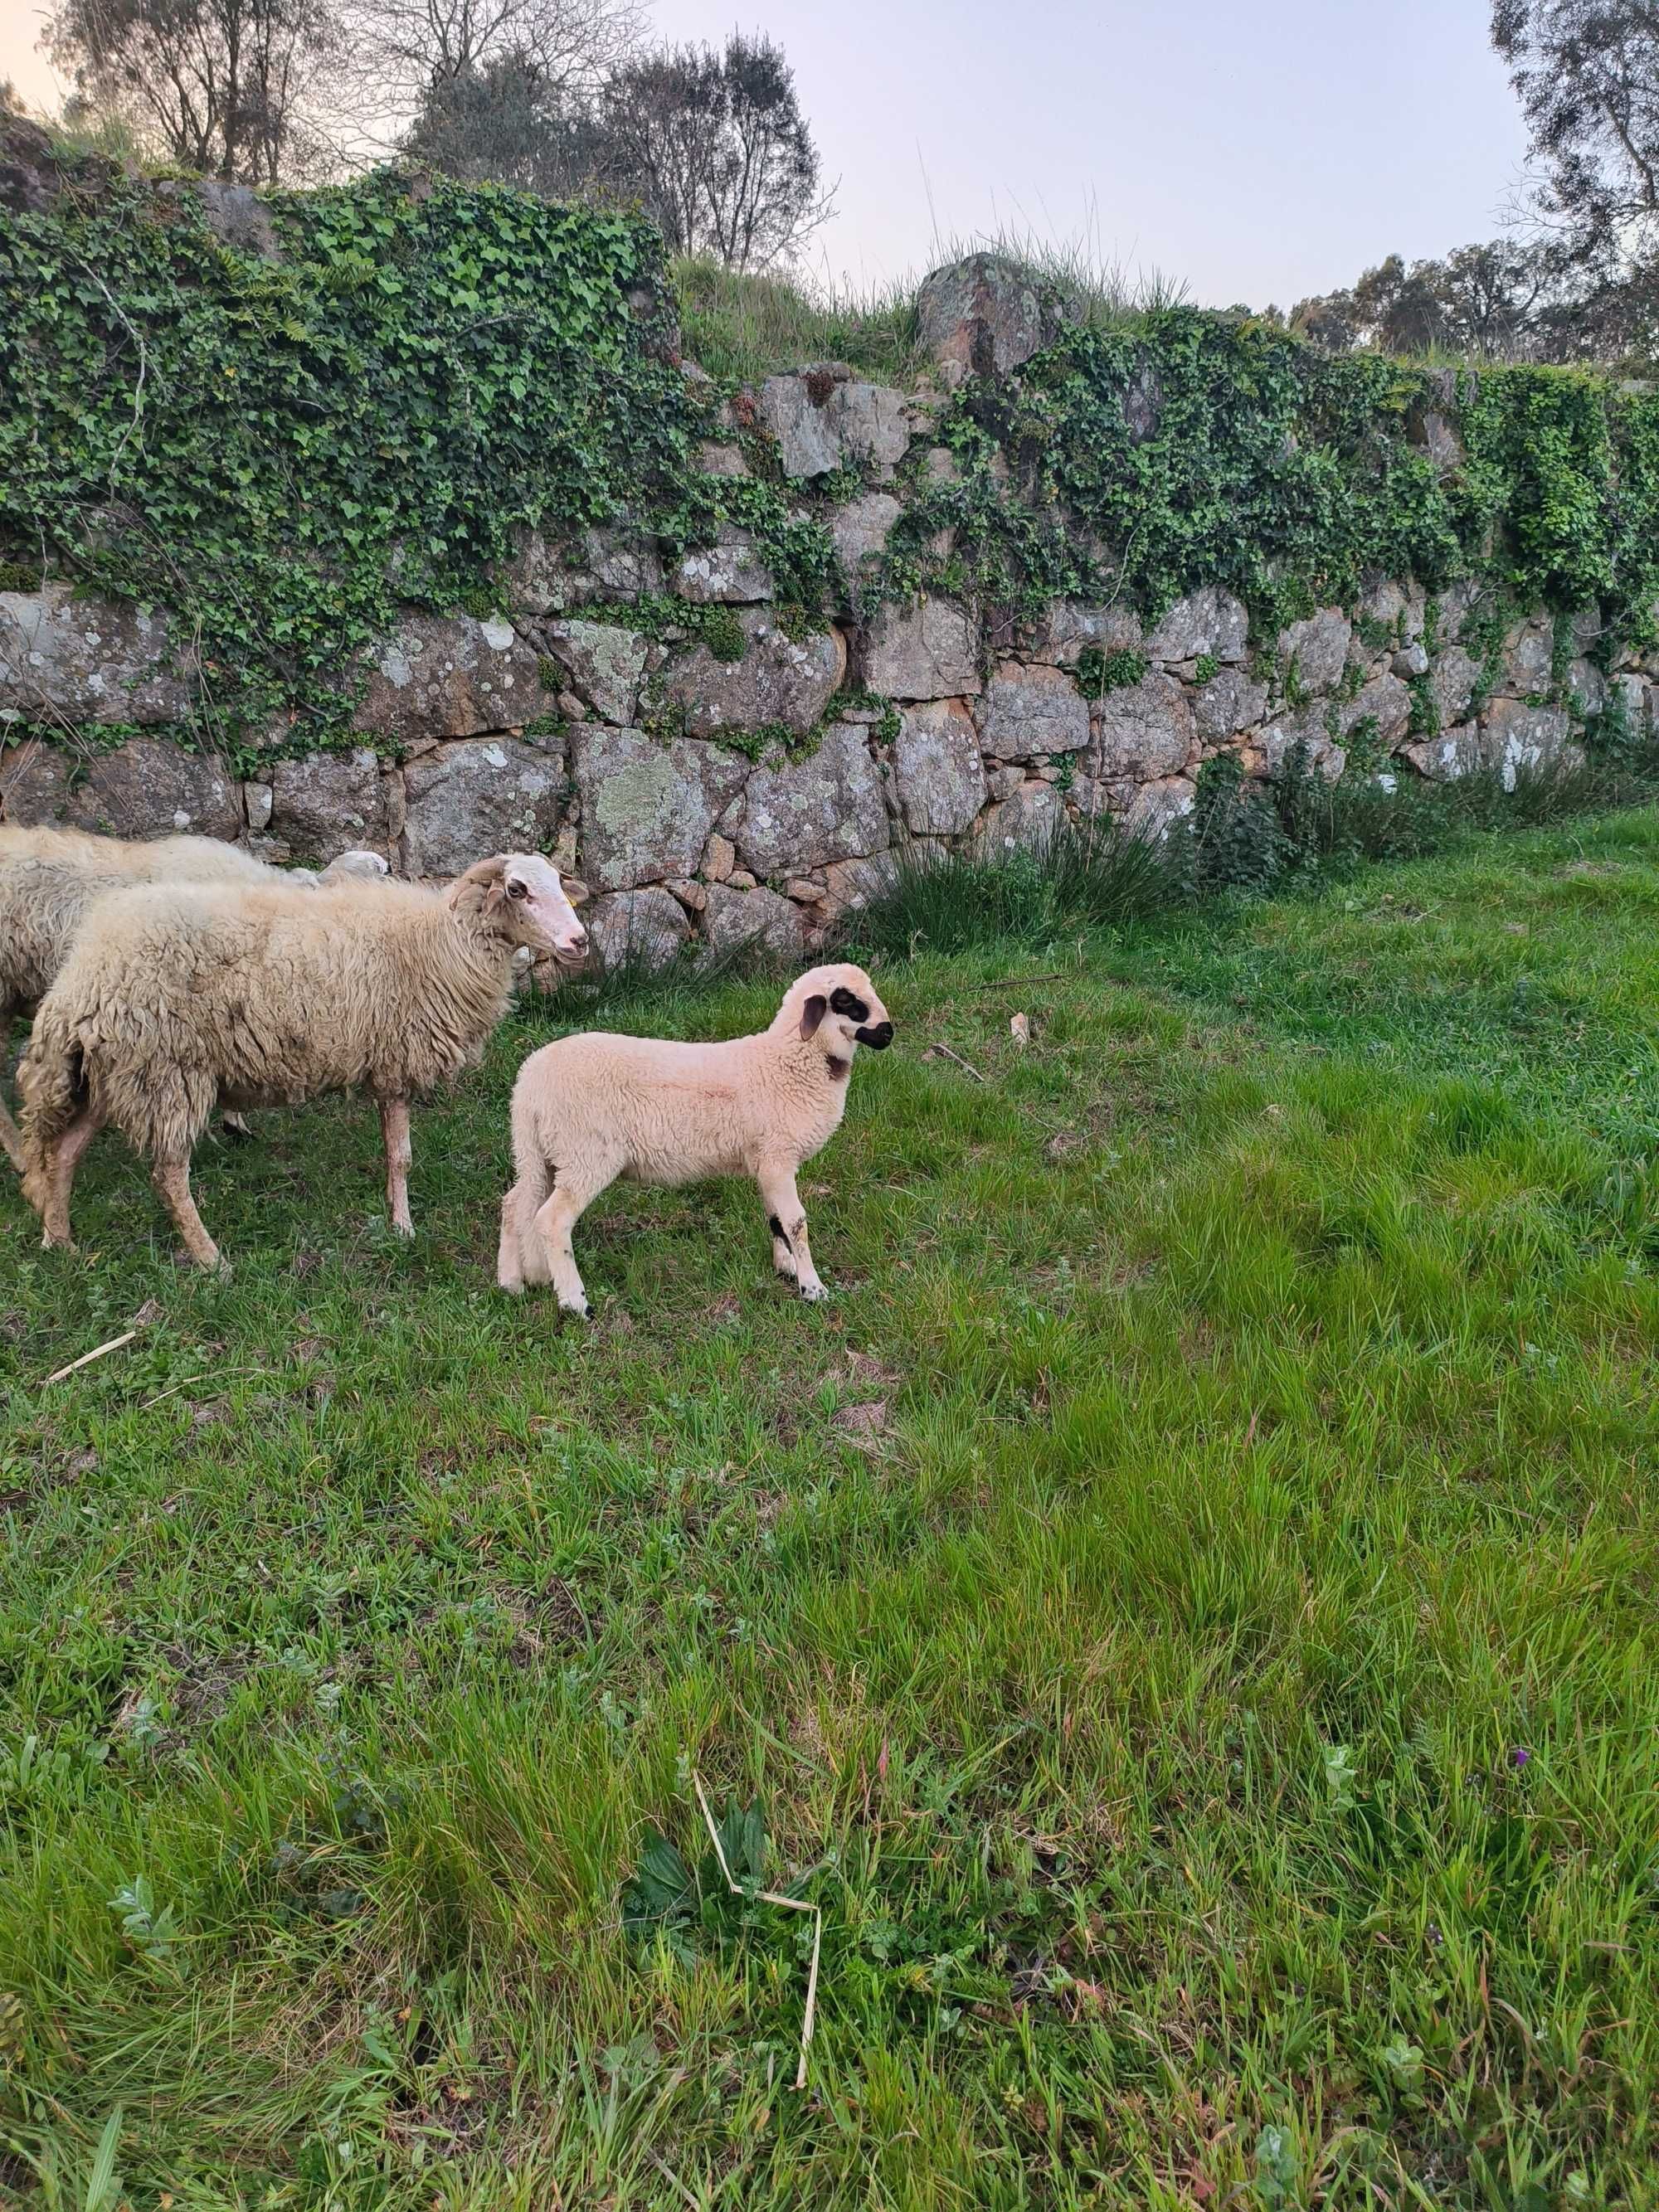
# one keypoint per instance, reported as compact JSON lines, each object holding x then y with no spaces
{"x":51,"y":879}
{"x":591,"y":1108}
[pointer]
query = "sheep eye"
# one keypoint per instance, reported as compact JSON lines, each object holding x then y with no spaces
{"x":518,"y":890}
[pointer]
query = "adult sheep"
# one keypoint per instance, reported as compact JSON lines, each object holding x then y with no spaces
{"x":176,"y":997}
{"x":588,"y":1108}
{"x":50,"y":879}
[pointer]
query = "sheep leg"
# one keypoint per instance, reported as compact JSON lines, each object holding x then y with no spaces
{"x":521,"y":1257}
{"x":172,"y":1179}
{"x":553,"y":1223}
{"x":394,"y":1133}
{"x":787,"y":1218}
{"x":60,"y":1178}
{"x":9,"y":1136}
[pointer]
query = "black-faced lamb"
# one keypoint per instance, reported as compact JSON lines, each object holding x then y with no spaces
{"x":175,"y":998}
{"x":594,"y":1107}
{"x":50,"y":879}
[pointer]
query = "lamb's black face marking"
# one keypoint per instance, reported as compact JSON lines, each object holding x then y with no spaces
{"x":878,"y":1038}
{"x":843,"y":1002}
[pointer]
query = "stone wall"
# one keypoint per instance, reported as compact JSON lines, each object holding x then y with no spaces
{"x":745,"y":777}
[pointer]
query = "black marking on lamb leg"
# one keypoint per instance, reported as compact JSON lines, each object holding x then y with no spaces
{"x":843,"y":1002}
{"x":837,"y":1067}
{"x":777,"y":1227}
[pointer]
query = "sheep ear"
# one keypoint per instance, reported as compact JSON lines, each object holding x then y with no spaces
{"x":812,"y":1013}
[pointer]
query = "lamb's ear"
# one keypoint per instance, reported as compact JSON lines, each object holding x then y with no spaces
{"x":812,"y":1013}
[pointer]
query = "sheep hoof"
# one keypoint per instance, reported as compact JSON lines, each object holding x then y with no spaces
{"x":405,"y":1230}
{"x":816,"y":1294}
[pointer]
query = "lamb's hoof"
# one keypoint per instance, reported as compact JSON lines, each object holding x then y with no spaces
{"x":816,"y":1294}
{"x":50,"y":1243}
{"x":405,"y":1230}
{"x":513,"y":1290}
{"x":234,"y":1126}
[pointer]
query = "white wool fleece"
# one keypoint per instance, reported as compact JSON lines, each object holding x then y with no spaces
{"x":591,"y":1108}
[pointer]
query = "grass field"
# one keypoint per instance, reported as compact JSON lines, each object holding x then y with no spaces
{"x":1185,"y":1613}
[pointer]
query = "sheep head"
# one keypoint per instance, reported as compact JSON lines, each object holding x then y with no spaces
{"x":518,"y":896}
{"x":836,"y":1008}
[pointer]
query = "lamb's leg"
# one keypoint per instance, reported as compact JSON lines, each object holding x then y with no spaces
{"x":65,"y":1158}
{"x":521,"y":1257}
{"x":574,"y":1191}
{"x":787,"y":1218}
{"x":172,"y":1179}
{"x":394,"y":1133}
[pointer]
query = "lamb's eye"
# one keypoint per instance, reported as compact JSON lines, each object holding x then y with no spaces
{"x":518,"y":890}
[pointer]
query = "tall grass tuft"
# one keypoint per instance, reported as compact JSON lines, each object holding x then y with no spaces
{"x":745,"y":327}
{"x":1083,"y":875}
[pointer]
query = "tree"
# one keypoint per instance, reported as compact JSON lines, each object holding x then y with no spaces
{"x":226,"y":87}
{"x":715,"y":146}
{"x":506,"y":124}
{"x":457,"y":59}
{"x":1587,"y":72}
{"x":1482,"y":302}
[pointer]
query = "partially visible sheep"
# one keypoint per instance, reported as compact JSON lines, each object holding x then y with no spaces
{"x":177,"y":997}
{"x":50,"y":880}
{"x":591,"y":1108}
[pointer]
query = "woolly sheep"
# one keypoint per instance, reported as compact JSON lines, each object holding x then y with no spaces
{"x":50,"y":879}
{"x":591,"y":1108}
{"x":176,"y":996}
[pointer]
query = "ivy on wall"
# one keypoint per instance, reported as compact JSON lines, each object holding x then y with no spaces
{"x":282,"y":450}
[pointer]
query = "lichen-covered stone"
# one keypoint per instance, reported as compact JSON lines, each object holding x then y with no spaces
{"x":74,"y":660}
{"x":148,"y":787}
{"x":443,"y":676}
{"x":1442,"y":759}
{"x":853,"y":884}
{"x":860,"y":532}
{"x":1210,"y":621}
{"x":1517,"y":740}
{"x":1268,"y":750}
{"x":1229,"y":702}
{"x":1318,"y":647}
{"x":1070,"y":627}
{"x":646,"y":927}
{"x":824,"y":418}
{"x":1158,"y":805}
{"x":798,"y":814}
{"x":986,"y":314}
{"x":1025,"y":711}
{"x":937,"y":772}
{"x":925,"y":649}
{"x":1528,"y":657}
{"x":780,"y":680}
{"x":1144,"y":729}
{"x":729,"y":573}
{"x":326,"y":804}
{"x":541,"y":578}
{"x":1384,"y":701}
{"x":1024,"y":822}
{"x":647,"y":808}
{"x":1452,"y":681}
{"x":480,"y":796}
{"x":605,"y":665}
{"x":734,"y":920}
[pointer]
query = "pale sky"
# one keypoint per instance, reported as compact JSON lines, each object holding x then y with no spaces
{"x":1253,"y":152}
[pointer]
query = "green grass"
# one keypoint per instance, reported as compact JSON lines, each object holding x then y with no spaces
{"x":743,"y":328}
{"x":1185,"y":1612}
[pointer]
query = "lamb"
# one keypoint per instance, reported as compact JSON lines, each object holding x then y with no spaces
{"x":177,"y":997}
{"x":591,"y":1108}
{"x":50,"y":879}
